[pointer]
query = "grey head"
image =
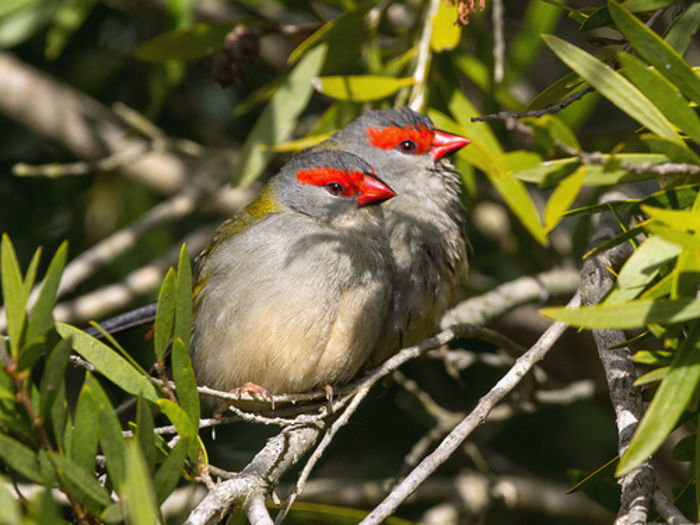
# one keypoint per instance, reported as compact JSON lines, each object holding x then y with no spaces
{"x":326,"y":184}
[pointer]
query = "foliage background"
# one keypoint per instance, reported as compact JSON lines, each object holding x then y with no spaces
{"x":158,"y":59}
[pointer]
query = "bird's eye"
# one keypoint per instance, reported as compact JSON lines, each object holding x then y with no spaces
{"x":335,"y":188}
{"x":407,"y":146}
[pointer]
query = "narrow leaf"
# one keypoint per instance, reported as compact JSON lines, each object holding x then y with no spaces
{"x":668,"y":404}
{"x":189,"y":43}
{"x":144,"y":432}
{"x":86,"y":430}
{"x":80,"y":483}
{"x":54,"y":376}
{"x":165,"y":315}
{"x":657,"y":52}
{"x":167,"y":476}
{"x":21,"y":459}
{"x":67,"y":19}
{"x":446,"y":33}
{"x":664,"y":95}
{"x":111,"y":438}
{"x":280,"y":116}
{"x":138,"y":490}
{"x":359,"y":88}
{"x":41,"y":318}
{"x":684,"y":27}
{"x":679,"y":219}
{"x":635,"y":314}
{"x":183,"y":424}
{"x":562,"y":197}
{"x":183,"y":299}
{"x":185,"y":381}
{"x":8,"y":504}
{"x":612,"y":86}
{"x":108,"y":362}
{"x":14,"y":297}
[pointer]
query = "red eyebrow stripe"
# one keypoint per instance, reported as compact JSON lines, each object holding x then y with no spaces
{"x":350,"y":179}
{"x":389,"y":138}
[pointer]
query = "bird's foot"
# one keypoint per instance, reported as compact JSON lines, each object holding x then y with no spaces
{"x":328,"y":389}
{"x":256,"y":392}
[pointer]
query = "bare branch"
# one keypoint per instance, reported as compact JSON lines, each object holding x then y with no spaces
{"x":426,"y":467}
{"x":554,"y":108}
{"x":620,"y":374}
{"x":667,"y":509}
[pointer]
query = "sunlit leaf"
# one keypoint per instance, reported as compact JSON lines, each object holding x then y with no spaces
{"x":279,"y":117}
{"x":41,"y":318}
{"x":562,"y":197}
{"x":684,"y":26}
{"x":446,"y":33}
{"x":359,"y":88}
{"x":634,"y":314}
{"x":13,"y":294}
{"x":8,"y":504}
{"x":668,"y":404}
{"x":642,"y":267}
{"x":183,"y":424}
{"x":21,"y":459}
{"x":108,"y":362}
{"x":657,"y":52}
{"x":663,"y":94}
{"x":680,"y":219}
{"x":612,"y":86}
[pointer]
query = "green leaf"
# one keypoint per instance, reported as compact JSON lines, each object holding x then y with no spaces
{"x":329,"y":30}
{"x":557,"y":91}
{"x":41,"y":318}
{"x":642,"y":268}
{"x":67,"y":19}
{"x":54,"y":376}
{"x":525,"y":48}
{"x":462,"y":110}
{"x":359,"y":88}
{"x":111,"y":439}
{"x":21,"y":24}
{"x":144,"y":432}
{"x":167,"y":476}
{"x":562,"y":197}
{"x":657,"y":52}
{"x":634,"y":314}
{"x":674,"y":151}
{"x":652,"y":357}
{"x":664,"y":95}
{"x":654,"y":376}
{"x":22,"y":460}
{"x":13,"y":294}
{"x":183,"y":424}
{"x":679,"y":219}
{"x":190,"y":43}
{"x":137,"y":491}
{"x":59,"y":418}
{"x":185,"y":381}
{"x":280,"y":116}
{"x":85,"y":430}
{"x":684,"y":26}
{"x":165,"y":314}
{"x":108,"y":362}
{"x":9,"y":505}
{"x":183,"y":299}
{"x":686,"y":274}
{"x":446,"y":33}
{"x":668,"y":404}
{"x":548,"y":173}
{"x":80,"y":483}
{"x":612,"y":86}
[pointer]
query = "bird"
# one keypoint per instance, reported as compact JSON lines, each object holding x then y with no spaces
{"x":425,"y":224}
{"x":292,"y":293}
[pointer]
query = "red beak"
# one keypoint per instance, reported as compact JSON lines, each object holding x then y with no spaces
{"x":373,"y":191}
{"x":444,"y":143}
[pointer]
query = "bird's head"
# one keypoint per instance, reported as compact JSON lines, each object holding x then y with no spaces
{"x":397,"y":142}
{"x":325,"y":184}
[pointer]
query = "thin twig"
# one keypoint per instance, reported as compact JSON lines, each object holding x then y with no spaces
{"x":554,"y":108}
{"x":499,"y":43}
{"x":465,"y":427}
{"x":320,"y":449}
{"x":667,"y":509}
{"x":424,"y":55}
